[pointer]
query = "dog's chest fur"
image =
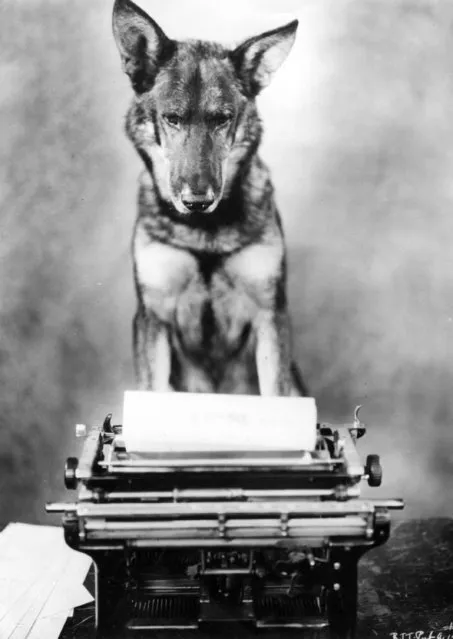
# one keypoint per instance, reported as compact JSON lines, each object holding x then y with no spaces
{"x":209,"y":302}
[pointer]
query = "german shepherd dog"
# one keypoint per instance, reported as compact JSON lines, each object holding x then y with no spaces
{"x":208,"y":247}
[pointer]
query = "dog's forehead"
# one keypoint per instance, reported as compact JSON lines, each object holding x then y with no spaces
{"x":200,"y":78}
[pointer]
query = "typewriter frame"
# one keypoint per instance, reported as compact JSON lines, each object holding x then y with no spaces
{"x":251,"y":506}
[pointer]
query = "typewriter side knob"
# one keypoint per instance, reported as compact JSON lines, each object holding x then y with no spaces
{"x":373,"y":469}
{"x":70,"y":473}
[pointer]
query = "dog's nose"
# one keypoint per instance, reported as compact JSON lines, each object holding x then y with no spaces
{"x":197,"y":203}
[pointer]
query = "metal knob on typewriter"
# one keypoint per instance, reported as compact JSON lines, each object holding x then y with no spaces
{"x":373,"y":469}
{"x":70,"y":473}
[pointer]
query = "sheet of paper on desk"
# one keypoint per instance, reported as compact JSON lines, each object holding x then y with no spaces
{"x":41,"y":581}
{"x":184,"y":422}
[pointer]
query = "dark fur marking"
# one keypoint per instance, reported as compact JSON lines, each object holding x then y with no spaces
{"x":142,"y":77}
{"x":299,"y":380}
{"x":280,"y":287}
{"x":208,"y":325}
{"x":244,"y":338}
{"x":156,"y":126}
{"x":147,"y":161}
{"x":207,"y":264}
{"x":281,"y":298}
{"x":140,"y":114}
{"x":206,"y":50}
{"x":136,"y":69}
{"x":280,"y":295}
{"x":196,"y":90}
{"x":249,"y":88}
{"x":239,"y":117}
{"x":245,"y":161}
{"x":278,"y":219}
{"x":254,"y":85}
{"x":175,"y":372}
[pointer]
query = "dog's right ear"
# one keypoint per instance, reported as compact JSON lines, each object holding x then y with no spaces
{"x":142,"y":44}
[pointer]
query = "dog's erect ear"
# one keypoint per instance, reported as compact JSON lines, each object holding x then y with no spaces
{"x":142,"y":44}
{"x":257,"y":59}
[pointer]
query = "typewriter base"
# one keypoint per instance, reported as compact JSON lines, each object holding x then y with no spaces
{"x":325,"y":608}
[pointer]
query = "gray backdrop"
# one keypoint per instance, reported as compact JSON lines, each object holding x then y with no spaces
{"x":359,"y":137}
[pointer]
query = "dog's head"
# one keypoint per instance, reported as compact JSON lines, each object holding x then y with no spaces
{"x":194,"y":117}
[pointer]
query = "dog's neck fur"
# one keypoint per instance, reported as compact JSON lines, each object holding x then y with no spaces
{"x":244,"y":216}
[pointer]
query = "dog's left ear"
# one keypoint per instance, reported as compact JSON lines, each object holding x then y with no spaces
{"x":258,"y":58}
{"x":141,"y":42}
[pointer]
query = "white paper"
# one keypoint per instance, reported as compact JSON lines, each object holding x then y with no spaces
{"x":49,"y":628}
{"x":200,"y":422}
{"x":64,"y":600}
{"x":41,"y":581}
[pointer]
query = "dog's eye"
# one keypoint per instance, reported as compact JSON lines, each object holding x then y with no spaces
{"x":220,"y":119}
{"x":172,"y":119}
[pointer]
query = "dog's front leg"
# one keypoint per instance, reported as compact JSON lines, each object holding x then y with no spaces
{"x":273,"y":353}
{"x":152,"y":351}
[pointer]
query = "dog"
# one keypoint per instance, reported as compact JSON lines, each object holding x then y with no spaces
{"x":209,"y":255}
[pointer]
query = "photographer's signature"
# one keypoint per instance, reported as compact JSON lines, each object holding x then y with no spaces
{"x":446,"y":632}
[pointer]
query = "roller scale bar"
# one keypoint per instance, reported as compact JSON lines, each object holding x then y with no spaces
{"x":177,"y":509}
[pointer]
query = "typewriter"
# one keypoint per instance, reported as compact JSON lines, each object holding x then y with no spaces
{"x":183,"y":537}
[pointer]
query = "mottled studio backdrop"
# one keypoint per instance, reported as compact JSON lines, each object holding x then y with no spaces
{"x":359,"y":135}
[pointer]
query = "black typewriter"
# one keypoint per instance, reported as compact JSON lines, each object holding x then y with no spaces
{"x":182,"y":540}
